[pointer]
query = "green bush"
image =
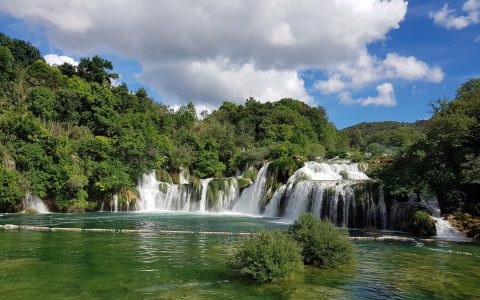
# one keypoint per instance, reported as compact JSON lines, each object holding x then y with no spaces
{"x":243,"y":182}
{"x":268,"y":256}
{"x":422,"y":224}
{"x":323,"y":244}
{"x":11,"y":191}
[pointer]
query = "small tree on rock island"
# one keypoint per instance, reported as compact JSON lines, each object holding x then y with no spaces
{"x":323,"y":245}
{"x":268,"y":256}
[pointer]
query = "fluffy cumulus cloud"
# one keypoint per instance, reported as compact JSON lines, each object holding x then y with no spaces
{"x":215,"y":50}
{"x":57,"y":60}
{"x":451,"y":19}
{"x":385,"y":97}
{"x":367,"y":69}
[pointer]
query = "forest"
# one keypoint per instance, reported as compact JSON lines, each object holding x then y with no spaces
{"x":70,"y":136}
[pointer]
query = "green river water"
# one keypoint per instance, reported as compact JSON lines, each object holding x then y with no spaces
{"x":91,"y":265}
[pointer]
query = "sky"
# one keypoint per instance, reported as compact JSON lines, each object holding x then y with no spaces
{"x":363,"y":61}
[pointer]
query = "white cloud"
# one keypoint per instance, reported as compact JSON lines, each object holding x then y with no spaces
{"x":213,"y":50}
{"x":385,"y":97}
{"x":409,"y":68}
{"x":219,"y":81}
{"x":449,"y":18}
{"x":368,"y":69}
{"x":333,"y":85}
{"x":57,"y":60}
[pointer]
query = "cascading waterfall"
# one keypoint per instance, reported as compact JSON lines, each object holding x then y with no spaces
{"x":181,"y":177}
{"x":34,"y":202}
{"x":203,"y":199}
{"x":222,"y":194}
{"x":252,"y":196}
{"x":148,"y":188}
{"x":444,"y":229}
{"x":342,"y":193}
{"x":401,"y":212}
{"x":115,"y":203}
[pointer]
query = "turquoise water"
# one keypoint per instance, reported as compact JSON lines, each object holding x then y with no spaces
{"x":89,"y":265}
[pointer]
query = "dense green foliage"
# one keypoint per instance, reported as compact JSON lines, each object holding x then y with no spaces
{"x":323,"y":245}
{"x":70,"y":136}
{"x":384,"y":138}
{"x":10,"y":189}
{"x":446,"y":161}
{"x":268,"y":256}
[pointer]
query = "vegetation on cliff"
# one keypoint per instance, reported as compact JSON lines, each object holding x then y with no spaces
{"x":70,"y":137}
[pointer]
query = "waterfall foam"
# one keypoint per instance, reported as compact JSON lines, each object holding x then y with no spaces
{"x":252,"y":196}
{"x":445,"y":230}
{"x":115,"y":203}
{"x":203,"y":199}
{"x":323,"y":190}
{"x":338,"y":191}
{"x":148,"y":188}
{"x":34,"y":202}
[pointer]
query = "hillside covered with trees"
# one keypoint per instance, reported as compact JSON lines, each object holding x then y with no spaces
{"x":384,"y":138}
{"x":72,"y":138}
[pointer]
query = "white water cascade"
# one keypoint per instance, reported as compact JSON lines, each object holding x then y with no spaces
{"x":332,"y":171}
{"x":252,"y":196}
{"x":115,"y":203}
{"x":340,"y":192}
{"x":203,"y":198}
{"x":443,"y":227}
{"x":148,"y":188}
{"x":182,"y":178}
{"x":445,"y":230}
{"x":34,"y":202}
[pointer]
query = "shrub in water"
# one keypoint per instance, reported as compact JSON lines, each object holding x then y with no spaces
{"x":268,"y":256}
{"x":323,"y":245}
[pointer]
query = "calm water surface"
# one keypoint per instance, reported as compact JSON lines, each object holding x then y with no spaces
{"x":72,"y":265}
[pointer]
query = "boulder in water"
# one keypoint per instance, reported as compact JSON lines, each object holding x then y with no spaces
{"x":422,"y":224}
{"x":31,"y":211}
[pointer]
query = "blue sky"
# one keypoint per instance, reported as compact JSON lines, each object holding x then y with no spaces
{"x":200,"y":62}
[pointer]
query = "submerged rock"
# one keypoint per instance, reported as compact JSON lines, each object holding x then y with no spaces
{"x":31,"y":211}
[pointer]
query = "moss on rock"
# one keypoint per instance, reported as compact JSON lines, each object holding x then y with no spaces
{"x":31,"y":211}
{"x":164,"y":176}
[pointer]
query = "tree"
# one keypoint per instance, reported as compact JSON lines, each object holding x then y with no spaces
{"x":22,"y":51}
{"x":11,"y":191}
{"x":95,"y":69}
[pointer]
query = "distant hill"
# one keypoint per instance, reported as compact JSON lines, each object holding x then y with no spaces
{"x":389,"y":134}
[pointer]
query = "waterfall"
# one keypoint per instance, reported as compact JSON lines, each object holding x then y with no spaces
{"x":445,"y":230}
{"x":251,"y":197}
{"x":162,"y":196}
{"x":34,"y":202}
{"x":443,"y":227}
{"x":182,"y":178}
{"x":148,"y":188}
{"x":340,"y":192}
{"x":222,"y":194}
{"x":115,"y":203}
{"x":203,"y":199}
